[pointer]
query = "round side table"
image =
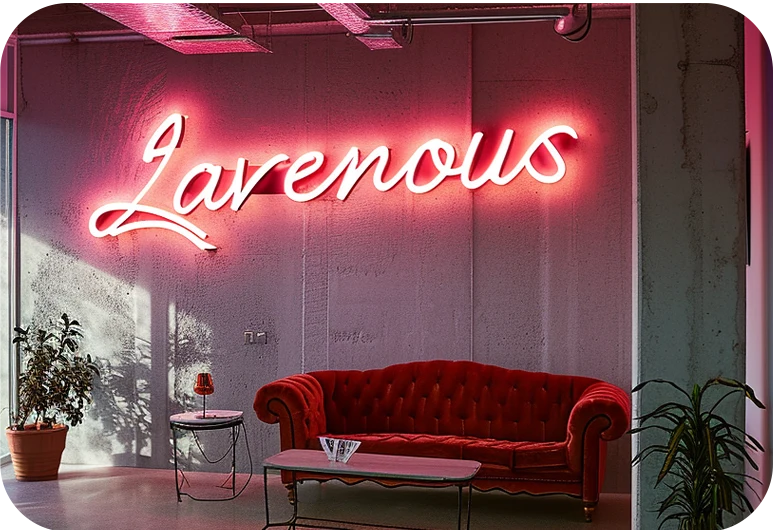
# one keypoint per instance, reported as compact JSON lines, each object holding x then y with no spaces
{"x":215,"y":420}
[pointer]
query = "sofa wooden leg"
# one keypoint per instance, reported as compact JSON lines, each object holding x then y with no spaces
{"x":291,"y":493}
{"x":588,"y":511}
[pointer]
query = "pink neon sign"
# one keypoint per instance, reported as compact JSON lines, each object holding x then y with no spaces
{"x":126,"y":216}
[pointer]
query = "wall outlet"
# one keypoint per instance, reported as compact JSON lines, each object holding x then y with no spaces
{"x":251,"y":336}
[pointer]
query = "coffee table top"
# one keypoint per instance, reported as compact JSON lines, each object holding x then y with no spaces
{"x":371,"y":465}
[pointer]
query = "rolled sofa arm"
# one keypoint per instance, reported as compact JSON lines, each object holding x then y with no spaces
{"x":296,"y":402}
{"x":603,"y":413}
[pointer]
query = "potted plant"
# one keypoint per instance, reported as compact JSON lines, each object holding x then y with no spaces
{"x":699,"y":442}
{"x":55,"y":386}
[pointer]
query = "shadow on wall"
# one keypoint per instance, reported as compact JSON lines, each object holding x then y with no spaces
{"x":116,"y":317}
{"x":190,"y":349}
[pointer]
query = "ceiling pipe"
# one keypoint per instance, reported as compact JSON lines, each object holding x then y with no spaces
{"x":296,"y":29}
{"x":394,"y":30}
{"x":42,"y":39}
{"x":467,"y":16}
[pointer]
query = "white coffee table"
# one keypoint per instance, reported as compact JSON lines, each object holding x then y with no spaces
{"x":418,"y":471}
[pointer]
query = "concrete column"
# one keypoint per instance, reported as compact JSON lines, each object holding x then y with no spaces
{"x":689,"y":209}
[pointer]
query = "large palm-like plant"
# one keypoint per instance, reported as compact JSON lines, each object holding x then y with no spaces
{"x":699,"y":442}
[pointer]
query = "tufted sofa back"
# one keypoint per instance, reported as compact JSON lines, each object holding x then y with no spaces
{"x":460,"y":398}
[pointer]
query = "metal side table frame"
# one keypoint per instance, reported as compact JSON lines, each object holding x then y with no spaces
{"x":237,"y":428}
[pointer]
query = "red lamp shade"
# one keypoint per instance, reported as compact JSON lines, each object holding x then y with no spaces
{"x":204,"y":386}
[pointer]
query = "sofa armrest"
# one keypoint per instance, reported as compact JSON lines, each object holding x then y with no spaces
{"x":603,"y":413}
{"x":296,"y":402}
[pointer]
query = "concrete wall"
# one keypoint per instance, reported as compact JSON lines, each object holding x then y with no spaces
{"x":691,"y":214}
{"x":528,"y":276}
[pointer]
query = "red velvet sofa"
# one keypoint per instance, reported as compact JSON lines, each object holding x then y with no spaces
{"x":533,"y":432}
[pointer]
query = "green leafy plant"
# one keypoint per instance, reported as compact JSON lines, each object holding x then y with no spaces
{"x":56,"y":381}
{"x":699,"y":442}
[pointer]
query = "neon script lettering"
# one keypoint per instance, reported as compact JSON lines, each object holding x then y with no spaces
{"x":120,"y":217}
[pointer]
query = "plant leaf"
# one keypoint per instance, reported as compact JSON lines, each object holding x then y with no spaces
{"x":660,"y":381}
{"x":748,"y":391}
{"x":674,"y":443}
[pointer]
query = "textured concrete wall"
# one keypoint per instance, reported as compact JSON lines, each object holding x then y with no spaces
{"x":525,"y":276}
{"x":691,"y":210}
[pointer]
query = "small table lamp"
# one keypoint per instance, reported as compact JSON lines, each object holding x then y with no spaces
{"x":204,"y":388}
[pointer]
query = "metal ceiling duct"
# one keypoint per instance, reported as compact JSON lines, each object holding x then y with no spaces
{"x":349,"y":15}
{"x":183,"y":27}
{"x":355,"y":20}
{"x":386,"y":38}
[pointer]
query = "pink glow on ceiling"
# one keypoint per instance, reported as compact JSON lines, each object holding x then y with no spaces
{"x":174,"y":24}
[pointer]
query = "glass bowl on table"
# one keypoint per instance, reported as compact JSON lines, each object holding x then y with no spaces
{"x":338,"y":449}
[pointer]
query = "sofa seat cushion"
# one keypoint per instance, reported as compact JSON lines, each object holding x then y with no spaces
{"x":512,"y":455}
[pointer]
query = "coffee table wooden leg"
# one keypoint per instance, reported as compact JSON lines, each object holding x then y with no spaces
{"x":291,"y":493}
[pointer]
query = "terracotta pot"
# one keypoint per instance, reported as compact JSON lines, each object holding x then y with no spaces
{"x":36,"y":454}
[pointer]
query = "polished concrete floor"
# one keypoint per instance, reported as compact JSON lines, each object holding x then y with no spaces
{"x":118,"y":498}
